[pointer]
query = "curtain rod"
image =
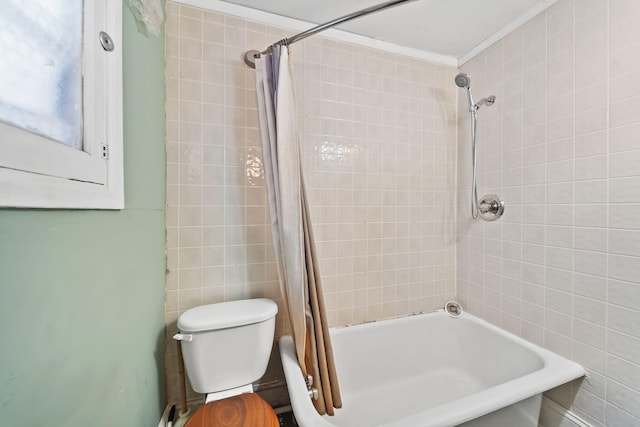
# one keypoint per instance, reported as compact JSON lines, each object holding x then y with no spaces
{"x":249,"y":56}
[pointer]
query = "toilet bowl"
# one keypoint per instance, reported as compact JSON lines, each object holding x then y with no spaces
{"x":226,"y":348}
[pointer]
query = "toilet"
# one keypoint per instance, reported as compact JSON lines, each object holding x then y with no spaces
{"x":225,"y":348}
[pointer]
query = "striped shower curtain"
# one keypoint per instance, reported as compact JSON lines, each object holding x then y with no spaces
{"x":293,"y":241}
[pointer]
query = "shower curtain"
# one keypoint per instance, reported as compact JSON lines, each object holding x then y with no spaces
{"x":293,"y":241}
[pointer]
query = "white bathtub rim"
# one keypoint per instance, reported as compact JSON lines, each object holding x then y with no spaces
{"x":301,"y":404}
{"x":557,"y":370}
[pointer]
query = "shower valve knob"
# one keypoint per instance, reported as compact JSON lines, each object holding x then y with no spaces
{"x":491,"y":207}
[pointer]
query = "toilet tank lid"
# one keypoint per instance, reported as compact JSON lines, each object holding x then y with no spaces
{"x":227,"y":315}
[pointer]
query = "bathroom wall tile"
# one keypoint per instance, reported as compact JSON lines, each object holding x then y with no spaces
{"x":624,"y":164}
{"x":590,"y":333}
{"x":557,"y":343}
{"x":624,"y":242}
{"x":560,"y":193}
{"x":624,"y":294}
{"x":625,"y":86}
{"x":591,"y":144}
{"x":588,"y":262}
{"x":624,"y":216}
{"x":535,"y":174}
{"x":623,"y":16}
{"x":577,"y":199}
{"x":534,"y":274}
{"x":624,"y":346}
{"x":592,"y":191}
{"x":624,"y":190}
{"x":623,"y":267}
{"x":563,"y":105}
{"x":558,"y":300}
{"x":593,"y":359}
{"x":190,"y":278}
{"x":562,"y":215}
{"x":559,"y":128}
{"x":595,"y":384}
{"x":624,"y":320}
{"x":559,"y":279}
{"x":591,"y":121}
{"x":594,"y":215}
{"x":617,"y":417}
{"x":590,"y":239}
{"x":561,"y":171}
{"x":623,"y":372}
{"x":624,"y":112}
{"x":559,"y":323}
{"x":566,"y":244}
{"x":623,"y":397}
{"x":370,"y":137}
{"x":590,"y":286}
{"x":596,"y":70}
{"x":624,"y":59}
{"x":624,"y":138}
{"x":590,"y":310}
{"x":590,"y":404}
{"x":594,"y":167}
{"x":533,"y":254}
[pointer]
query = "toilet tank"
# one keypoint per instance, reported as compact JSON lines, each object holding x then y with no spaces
{"x":227,"y":345}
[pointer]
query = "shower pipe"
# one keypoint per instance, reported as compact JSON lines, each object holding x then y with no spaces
{"x":249,"y":57}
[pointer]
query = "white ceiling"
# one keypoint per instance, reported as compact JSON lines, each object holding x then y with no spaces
{"x":453,"y":28}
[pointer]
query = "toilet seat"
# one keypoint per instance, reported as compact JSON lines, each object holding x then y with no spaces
{"x":244,"y":410}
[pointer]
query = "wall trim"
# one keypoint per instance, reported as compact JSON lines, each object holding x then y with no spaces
{"x":519,"y":21}
{"x":344,"y":36}
{"x":552,"y":414}
{"x":298,"y":25}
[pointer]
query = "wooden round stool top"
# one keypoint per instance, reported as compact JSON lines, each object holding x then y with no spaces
{"x":244,"y":410}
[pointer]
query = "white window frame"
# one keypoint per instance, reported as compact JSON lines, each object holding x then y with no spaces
{"x":38,"y":173}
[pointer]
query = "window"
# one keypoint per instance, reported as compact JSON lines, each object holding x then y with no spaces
{"x":61,"y":104}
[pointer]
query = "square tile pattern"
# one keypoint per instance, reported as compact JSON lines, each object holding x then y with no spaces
{"x":386,"y":156}
{"x":562,"y":267}
{"x":378,"y":147}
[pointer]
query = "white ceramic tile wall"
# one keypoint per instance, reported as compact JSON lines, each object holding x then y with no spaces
{"x":562,"y":146}
{"x":378,"y":138}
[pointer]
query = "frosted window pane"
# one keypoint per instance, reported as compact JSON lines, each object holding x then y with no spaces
{"x":41,"y":67}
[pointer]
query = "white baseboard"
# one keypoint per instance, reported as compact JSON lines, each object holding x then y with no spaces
{"x":554,"y":415}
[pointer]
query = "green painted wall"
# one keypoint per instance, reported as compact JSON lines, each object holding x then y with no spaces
{"x":82,"y":292}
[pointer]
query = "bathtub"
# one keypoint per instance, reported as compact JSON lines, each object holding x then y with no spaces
{"x":432,"y":370}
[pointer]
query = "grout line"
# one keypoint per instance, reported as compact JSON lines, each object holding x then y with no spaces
{"x":608,"y":219}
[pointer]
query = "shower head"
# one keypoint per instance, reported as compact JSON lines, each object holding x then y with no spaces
{"x":488,"y":101}
{"x":463,"y":80}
